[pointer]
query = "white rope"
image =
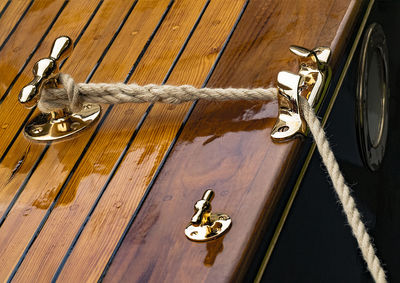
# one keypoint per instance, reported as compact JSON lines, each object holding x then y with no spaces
{"x":73,"y":95}
{"x":343,"y":192}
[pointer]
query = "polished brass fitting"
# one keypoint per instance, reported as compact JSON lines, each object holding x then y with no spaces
{"x":205,"y":225}
{"x":61,"y":123}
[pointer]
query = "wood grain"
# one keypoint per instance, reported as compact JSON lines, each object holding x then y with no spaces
{"x":10,"y":17}
{"x":226,"y":147}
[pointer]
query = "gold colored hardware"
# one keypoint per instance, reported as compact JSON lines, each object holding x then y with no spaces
{"x":57,"y":124}
{"x":206,"y":225}
{"x":310,"y":82}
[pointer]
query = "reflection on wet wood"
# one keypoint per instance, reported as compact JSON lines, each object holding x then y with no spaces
{"x":231,"y":155}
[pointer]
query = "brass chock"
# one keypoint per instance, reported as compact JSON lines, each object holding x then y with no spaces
{"x":61,"y":123}
{"x":206,"y":225}
{"x":311,"y":82}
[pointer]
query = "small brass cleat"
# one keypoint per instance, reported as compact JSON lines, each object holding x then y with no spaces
{"x":63,"y":122}
{"x":206,"y":225}
{"x":310,"y":82}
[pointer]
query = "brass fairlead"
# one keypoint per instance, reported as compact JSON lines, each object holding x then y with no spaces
{"x":61,"y":123}
{"x":206,"y":225}
{"x":310,"y":82}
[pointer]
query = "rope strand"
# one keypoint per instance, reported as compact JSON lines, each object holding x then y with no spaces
{"x":343,"y":191}
{"x":73,"y":95}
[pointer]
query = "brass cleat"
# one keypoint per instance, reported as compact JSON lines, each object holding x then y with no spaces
{"x":61,"y":123}
{"x":206,"y":225}
{"x":310,"y":82}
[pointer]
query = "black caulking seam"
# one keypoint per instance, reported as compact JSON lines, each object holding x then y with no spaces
{"x":33,"y":52}
{"x":16,"y":24}
{"x":171,"y":147}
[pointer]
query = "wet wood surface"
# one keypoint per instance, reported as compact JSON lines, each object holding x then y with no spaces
{"x":65,"y":207}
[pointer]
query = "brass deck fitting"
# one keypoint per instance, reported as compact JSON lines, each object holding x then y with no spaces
{"x":206,"y":225}
{"x":310,"y":82}
{"x":57,"y":124}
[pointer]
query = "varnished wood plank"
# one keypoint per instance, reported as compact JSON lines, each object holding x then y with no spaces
{"x":25,"y":39}
{"x":23,"y":155}
{"x":120,"y":199}
{"x":11,"y":17}
{"x":33,"y":202}
{"x":226,"y":147}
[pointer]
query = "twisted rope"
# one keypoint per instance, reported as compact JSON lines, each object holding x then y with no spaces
{"x":74,"y":95}
{"x":343,"y":191}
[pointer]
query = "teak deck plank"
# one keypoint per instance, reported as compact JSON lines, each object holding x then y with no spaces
{"x":108,"y":221}
{"x":11,"y":17}
{"x":23,"y":154}
{"x":24,"y":40}
{"x":23,"y":220}
{"x":226,"y":147}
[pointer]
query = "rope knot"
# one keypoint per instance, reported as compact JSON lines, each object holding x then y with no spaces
{"x":67,"y":96}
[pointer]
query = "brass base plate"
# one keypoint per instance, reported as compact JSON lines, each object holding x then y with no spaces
{"x":46,"y":128}
{"x":220,"y":225}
